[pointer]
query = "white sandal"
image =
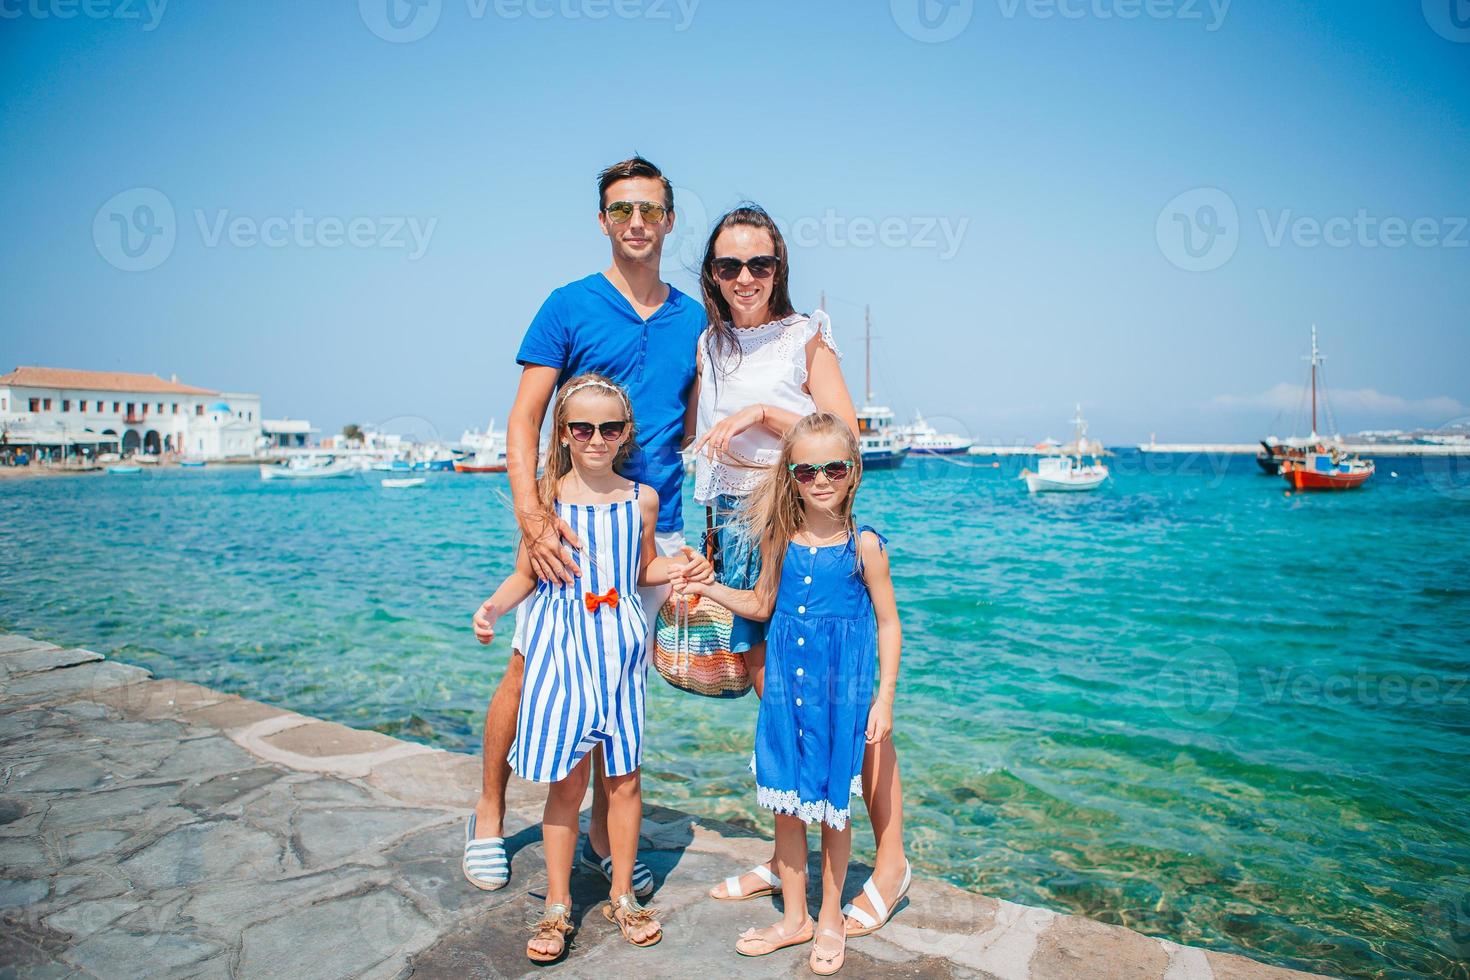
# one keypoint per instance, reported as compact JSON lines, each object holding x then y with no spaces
{"x":870,"y":924}
{"x":732,"y":886}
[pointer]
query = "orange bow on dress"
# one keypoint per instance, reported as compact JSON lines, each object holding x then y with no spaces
{"x":593,"y":600}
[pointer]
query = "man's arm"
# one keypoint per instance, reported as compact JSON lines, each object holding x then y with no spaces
{"x":543,"y":531}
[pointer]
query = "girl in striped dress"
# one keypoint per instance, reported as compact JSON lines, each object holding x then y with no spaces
{"x":586,"y":651}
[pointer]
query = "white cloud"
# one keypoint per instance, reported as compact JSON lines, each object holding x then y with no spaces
{"x":1287,"y":397}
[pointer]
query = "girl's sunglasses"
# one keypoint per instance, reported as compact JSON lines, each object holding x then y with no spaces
{"x":611,"y":431}
{"x":760,"y":266}
{"x":620,"y":211}
{"x":836,"y":470}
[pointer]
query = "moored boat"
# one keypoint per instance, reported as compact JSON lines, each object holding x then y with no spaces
{"x":1075,"y":468}
{"x":487,"y":452}
{"x":877,"y":438}
{"x":306,"y":469}
{"x":404,"y":483}
{"x":1321,"y":466}
{"x":124,"y":469}
{"x":923,"y":439}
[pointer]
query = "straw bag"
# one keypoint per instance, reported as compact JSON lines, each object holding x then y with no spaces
{"x":691,"y":646}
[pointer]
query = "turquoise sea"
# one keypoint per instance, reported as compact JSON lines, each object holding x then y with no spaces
{"x":1189,"y":703}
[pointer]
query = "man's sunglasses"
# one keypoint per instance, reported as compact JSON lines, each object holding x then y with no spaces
{"x":611,"y":431}
{"x":836,"y":470}
{"x":760,"y":266}
{"x":620,"y":211}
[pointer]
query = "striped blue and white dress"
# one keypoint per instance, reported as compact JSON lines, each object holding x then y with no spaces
{"x":586,"y":671}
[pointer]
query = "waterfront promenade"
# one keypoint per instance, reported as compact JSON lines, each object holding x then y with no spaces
{"x":158,"y":828}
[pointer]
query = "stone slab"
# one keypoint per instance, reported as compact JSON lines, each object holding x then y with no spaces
{"x":84,"y":681}
{"x":43,"y":659}
{"x":13,"y":643}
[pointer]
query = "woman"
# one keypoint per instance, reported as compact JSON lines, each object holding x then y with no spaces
{"x":762,"y":366}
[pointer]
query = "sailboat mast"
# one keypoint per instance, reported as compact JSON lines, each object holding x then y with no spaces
{"x":868,"y":354}
{"x":1314,"y":381}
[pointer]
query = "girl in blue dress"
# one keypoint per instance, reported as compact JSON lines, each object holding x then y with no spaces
{"x":826,"y":589}
{"x":587,"y":654}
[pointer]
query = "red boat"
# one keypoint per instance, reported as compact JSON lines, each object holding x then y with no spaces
{"x":1321,"y":467}
{"x":1327,"y":471}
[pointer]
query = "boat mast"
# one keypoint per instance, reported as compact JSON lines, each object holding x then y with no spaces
{"x":1316,"y":359}
{"x":868,"y":353}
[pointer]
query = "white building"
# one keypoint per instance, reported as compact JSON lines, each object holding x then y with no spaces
{"x":55,"y":408}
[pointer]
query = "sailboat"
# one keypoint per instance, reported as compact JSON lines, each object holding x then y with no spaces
{"x":1074,"y":469}
{"x":1321,"y":466}
{"x":882,"y":447}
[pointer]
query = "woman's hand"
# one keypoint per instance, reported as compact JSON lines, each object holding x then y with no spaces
{"x":544,"y":533}
{"x":484,"y":621}
{"x":880,"y":720}
{"x":716,"y":442}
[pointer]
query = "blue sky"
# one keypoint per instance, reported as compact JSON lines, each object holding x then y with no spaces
{"x":363,"y":223}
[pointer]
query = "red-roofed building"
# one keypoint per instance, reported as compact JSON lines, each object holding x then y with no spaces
{"x":119,"y":411}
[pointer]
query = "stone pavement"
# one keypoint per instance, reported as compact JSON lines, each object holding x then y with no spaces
{"x":157,"y":828}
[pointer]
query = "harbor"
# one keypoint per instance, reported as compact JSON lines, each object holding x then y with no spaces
{"x":157,"y":827}
{"x":1143,"y":686}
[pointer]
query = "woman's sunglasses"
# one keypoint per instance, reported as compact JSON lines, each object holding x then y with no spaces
{"x":620,"y":211}
{"x":836,"y":470}
{"x":760,"y":266}
{"x":611,"y":431}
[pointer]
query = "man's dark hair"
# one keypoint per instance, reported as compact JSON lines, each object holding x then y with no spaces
{"x":632,"y":167}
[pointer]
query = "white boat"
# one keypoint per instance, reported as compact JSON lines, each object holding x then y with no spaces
{"x":878,"y":440}
{"x":923,"y":438}
{"x":1076,"y":468}
{"x":147,"y":459}
{"x":404,"y":483}
{"x":307,"y":469}
{"x":488,"y":451}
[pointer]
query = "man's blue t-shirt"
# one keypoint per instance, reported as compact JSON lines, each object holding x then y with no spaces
{"x":588,"y":325}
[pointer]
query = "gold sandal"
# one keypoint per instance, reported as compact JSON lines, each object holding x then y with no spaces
{"x":628,"y":914}
{"x":557,"y":924}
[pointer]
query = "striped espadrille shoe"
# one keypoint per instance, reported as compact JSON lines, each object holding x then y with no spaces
{"x":642,"y":876}
{"x":485,"y":865}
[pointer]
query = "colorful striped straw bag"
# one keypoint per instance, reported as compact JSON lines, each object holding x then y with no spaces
{"x":691,"y":647}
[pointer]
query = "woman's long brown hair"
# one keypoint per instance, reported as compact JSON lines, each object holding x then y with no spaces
{"x":772,"y":514}
{"x":725,"y":349}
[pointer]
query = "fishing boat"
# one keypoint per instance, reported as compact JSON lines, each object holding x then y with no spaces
{"x":1276,"y":452}
{"x":146,"y":459}
{"x":307,"y":469}
{"x":193,"y":463}
{"x":882,"y":449}
{"x":1076,"y":468}
{"x":1324,"y":466}
{"x":923,"y":439}
{"x":487,"y":451}
{"x":404,"y":483}
{"x":124,"y":469}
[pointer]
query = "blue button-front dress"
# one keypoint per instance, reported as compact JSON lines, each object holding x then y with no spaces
{"x":821,"y":661}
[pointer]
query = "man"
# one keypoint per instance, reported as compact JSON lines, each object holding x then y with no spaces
{"x":639,"y":331}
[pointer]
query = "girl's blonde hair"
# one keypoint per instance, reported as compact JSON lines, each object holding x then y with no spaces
{"x":559,"y":455}
{"x":773,"y":513}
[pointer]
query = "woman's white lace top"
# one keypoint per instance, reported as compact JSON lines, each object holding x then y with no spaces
{"x":771,"y":371}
